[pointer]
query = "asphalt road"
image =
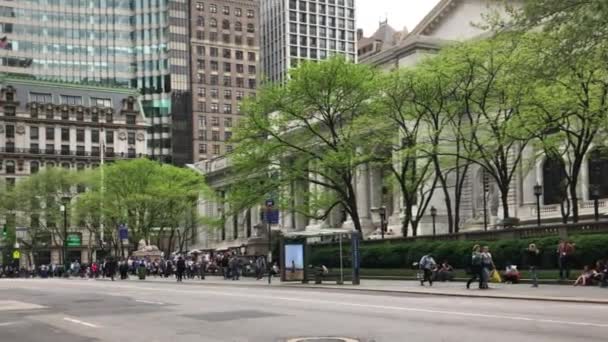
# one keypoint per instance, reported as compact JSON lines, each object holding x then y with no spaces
{"x":87,"y":310}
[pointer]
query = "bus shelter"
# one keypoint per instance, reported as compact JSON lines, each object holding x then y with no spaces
{"x":295,"y":253}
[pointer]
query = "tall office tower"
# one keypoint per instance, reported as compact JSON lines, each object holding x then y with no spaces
{"x":294,"y":30}
{"x":225,"y":53}
{"x":95,"y":42}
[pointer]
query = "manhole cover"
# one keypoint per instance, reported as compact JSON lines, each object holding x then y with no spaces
{"x":322,"y":339}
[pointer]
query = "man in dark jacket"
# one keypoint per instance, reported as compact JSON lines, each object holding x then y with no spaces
{"x":534,"y":263}
{"x":180,"y":268}
{"x":111,"y":268}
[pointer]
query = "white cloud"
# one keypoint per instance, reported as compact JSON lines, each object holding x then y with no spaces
{"x":399,"y":13}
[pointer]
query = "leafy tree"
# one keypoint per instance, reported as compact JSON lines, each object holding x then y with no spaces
{"x":306,"y":130}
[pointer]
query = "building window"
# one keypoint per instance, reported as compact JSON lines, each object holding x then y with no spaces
{"x":34,"y":167}
{"x":214,"y":93}
{"x":202,"y":148}
{"x":216,"y":149}
{"x":226,"y":10}
{"x":213,"y":8}
{"x":200,"y":6}
{"x":41,"y":98}
{"x":50,"y":149}
{"x":65,"y":150}
{"x":34,"y":148}
{"x":80,"y":135}
{"x":213,"y":36}
{"x":227,"y":67}
{"x":34,"y":133}
{"x":239,"y":68}
{"x":79,"y":116}
{"x":213,"y":52}
{"x":200,"y":78}
{"x":200,"y":21}
{"x":240,"y":94}
{"x":215,"y":136}
{"x":215,"y":108}
{"x":101,"y":102}
{"x":240,"y":82}
{"x":252,"y":83}
{"x":238,"y":12}
{"x":109,"y":152}
{"x":251,"y":56}
{"x":95,"y":136}
{"x":65,"y":134}
{"x":226,"y":38}
{"x":213,"y":80}
{"x":131,"y":152}
{"x":215,"y":121}
{"x":131,"y":138}
{"x":554,"y":180}
{"x":200,"y":50}
{"x":95,"y":151}
{"x":10,"y":167}
{"x":213,"y":23}
{"x":250,"y":28}
{"x":226,"y":24}
{"x":200,"y":35}
{"x":228,"y":94}
{"x":238,"y":26}
{"x":227,"y":81}
{"x":598,"y":169}
{"x":228,"y":122}
{"x":80,"y":150}
{"x":238,"y":40}
{"x":238,"y":55}
{"x":202,"y":106}
{"x":131,"y":119}
{"x":65,"y":115}
{"x":201,"y":92}
{"x":249,"y":41}
{"x":109,"y":118}
{"x":202,"y":121}
{"x":249,"y":13}
{"x":227,"y":53}
{"x":251,"y":69}
{"x":228,"y":148}
{"x":227,"y":108}
{"x":227,"y":136}
{"x":214,"y":65}
{"x":71,"y":100}
{"x":109,"y":137}
{"x":94,"y":117}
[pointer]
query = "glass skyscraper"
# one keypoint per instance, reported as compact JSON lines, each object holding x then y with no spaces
{"x":99,"y":42}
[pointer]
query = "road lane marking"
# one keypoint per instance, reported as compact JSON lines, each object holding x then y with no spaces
{"x":5,"y":324}
{"x":86,"y":324}
{"x":369,"y":306}
{"x":149,"y":302}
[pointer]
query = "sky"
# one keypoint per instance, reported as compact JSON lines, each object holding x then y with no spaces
{"x":400,"y":13}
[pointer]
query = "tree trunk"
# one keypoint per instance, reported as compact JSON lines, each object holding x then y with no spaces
{"x":574,"y":198}
{"x":504,"y":197}
{"x":446,"y":194}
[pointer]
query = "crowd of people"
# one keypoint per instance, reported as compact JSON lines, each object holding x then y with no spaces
{"x":229,"y":265}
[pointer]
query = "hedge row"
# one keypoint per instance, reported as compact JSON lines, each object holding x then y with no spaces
{"x":589,"y":249}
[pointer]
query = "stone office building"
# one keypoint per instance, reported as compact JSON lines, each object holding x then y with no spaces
{"x":225,"y":55}
{"x":48,"y":124}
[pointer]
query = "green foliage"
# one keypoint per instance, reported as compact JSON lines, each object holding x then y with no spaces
{"x":402,"y":254}
{"x":307,"y":130}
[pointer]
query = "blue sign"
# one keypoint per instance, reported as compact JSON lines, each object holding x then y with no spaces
{"x":271,"y":216}
{"x":123,"y":232}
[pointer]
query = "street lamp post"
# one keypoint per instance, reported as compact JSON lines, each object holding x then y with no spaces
{"x":433,"y":216}
{"x":538,"y":191}
{"x":63,"y":208}
{"x":382,"y":214}
{"x":595,"y":194}
{"x":485,"y":201}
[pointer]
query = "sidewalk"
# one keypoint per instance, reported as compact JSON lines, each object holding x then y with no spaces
{"x":558,"y":293}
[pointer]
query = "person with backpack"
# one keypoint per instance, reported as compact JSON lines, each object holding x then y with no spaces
{"x":475,"y":267}
{"x":427,"y":265}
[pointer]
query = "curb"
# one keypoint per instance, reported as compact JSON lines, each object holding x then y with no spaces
{"x":462,"y":295}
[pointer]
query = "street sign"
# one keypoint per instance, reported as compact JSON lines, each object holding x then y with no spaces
{"x":272,"y":216}
{"x":16,"y":255}
{"x":123,"y":232}
{"x":74,"y":240}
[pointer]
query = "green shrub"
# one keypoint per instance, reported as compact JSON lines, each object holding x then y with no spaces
{"x":401,"y":254}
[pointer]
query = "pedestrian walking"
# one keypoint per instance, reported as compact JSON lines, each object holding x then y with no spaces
{"x":487,"y":265}
{"x":533,"y":263}
{"x":260,"y":267}
{"x":180,"y":268}
{"x":565,"y":251}
{"x":427,"y":265}
{"x":111,"y":268}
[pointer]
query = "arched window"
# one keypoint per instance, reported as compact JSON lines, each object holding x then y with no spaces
{"x":213,"y":22}
{"x":226,"y":24}
{"x":598,"y":169}
{"x":238,"y":26}
{"x":10,"y":167}
{"x":554,"y":180}
{"x":34,"y":167}
{"x":200,"y":21}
